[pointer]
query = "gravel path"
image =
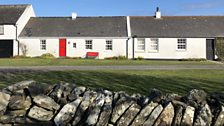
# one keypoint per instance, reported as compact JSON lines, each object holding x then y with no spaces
{"x":139,"y":67}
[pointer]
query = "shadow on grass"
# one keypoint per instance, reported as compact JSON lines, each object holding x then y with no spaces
{"x":117,"y":81}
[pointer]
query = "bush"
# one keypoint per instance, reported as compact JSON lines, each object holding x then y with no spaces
{"x":116,"y":58}
{"x":47,"y":56}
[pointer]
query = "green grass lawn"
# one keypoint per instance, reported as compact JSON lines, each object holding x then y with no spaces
{"x":177,"y":81}
{"x":85,"y":62}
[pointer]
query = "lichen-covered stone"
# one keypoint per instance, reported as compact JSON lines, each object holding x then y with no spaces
{"x":40,"y":114}
{"x":88,"y":99}
{"x":4,"y":100}
{"x":220,"y":119}
{"x":95,"y":110}
{"x":143,"y":115}
{"x":153,"y":116}
{"x":204,"y":116}
{"x":19,"y":101}
{"x":188,"y":116}
{"x":67,"y":113}
{"x":129,"y":115}
{"x":20,"y":86}
{"x":57,"y":92}
{"x":121,"y":106}
{"x":107,"y":109}
{"x":46,"y":102}
{"x":178,"y":116}
{"x":166,"y":117}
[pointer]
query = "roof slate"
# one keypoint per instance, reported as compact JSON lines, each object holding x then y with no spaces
{"x":79,"y":27}
{"x":9,"y":14}
{"x":178,"y":26}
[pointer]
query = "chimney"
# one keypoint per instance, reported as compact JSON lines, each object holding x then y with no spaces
{"x":74,"y":15}
{"x":158,"y":13}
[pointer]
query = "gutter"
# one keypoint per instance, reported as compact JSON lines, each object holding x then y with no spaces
{"x":133,"y":48}
{"x":17,"y":37}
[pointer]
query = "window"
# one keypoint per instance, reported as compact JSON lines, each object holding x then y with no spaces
{"x":1,"y":29}
{"x":154,"y":45}
{"x":141,"y":45}
{"x":42,"y":44}
{"x":74,"y":45}
{"x":109,"y":45}
{"x":89,"y":44}
{"x":181,"y":44}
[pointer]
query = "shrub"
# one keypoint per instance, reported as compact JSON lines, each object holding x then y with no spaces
{"x":47,"y":56}
{"x":116,"y":58}
{"x":140,"y":58}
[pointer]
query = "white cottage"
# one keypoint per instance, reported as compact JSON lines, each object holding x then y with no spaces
{"x":175,"y":37}
{"x":13,"y":18}
{"x":76,"y":36}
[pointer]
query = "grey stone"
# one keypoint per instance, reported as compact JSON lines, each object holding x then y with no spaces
{"x":3,"y":102}
{"x":166,"y":117}
{"x":153,"y":116}
{"x":121,"y":106}
{"x":196,"y":97}
{"x":39,"y":89}
{"x":188,"y":117}
{"x":16,"y":113}
{"x":220,"y":119}
{"x":95,"y":111}
{"x":57,"y":92}
{"x":107,"y":109}
{"x":46,"y":102}
{"x":19,"y":101}
{"x":155,"y":95}
{"x":67,"y":113}
{"x":204,"y":116}
{"x":76,"y":92}
{"x":20,"y":86}
{"x":146,"y":111}
{"x":40,"y":114}
{"x":1,"y":124}
{"x":178,"y":116}
{"x":88,"y":99}
{"x":129,"y":115}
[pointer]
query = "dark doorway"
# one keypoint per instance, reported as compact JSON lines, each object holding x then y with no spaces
{"x":6,"y":48}
{"x":210,"y":49}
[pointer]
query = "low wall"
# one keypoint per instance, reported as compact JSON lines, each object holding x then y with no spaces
{"x":31,"y":103}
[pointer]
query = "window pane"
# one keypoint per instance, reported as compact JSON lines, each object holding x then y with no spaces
{"x":154,"y":44}
{"x":42,"y":44}
{"x":89,"y":44}
{"x":109,"y":45}
{"x":141,"y":44}
{"x":181,"y":43}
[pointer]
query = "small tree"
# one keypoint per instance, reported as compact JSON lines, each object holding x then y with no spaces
{"x":23,"y":48}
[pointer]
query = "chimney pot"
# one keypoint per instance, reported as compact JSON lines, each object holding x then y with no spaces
{"x":158,"y":13}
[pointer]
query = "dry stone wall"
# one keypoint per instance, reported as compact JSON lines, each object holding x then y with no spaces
{"x":30,"y":103}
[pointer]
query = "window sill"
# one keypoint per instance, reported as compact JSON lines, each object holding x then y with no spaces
{"x":181,"y":50}
{"x":153,"y":51}
{"x":139,"y":51}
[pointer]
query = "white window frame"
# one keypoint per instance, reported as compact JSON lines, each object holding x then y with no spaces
{"x":153,"y":45}
{"x":74,"y":45}
{"x":89,"y":44}
{"x":109,"y":45}
{"x":2,"y":32}
{"x":140,"y":45}
{"x":43,"y":44}
{"x":181,"y":43}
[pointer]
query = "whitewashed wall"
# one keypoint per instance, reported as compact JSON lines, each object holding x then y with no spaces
{"x":33,"y":45}
{"x":9,"y":32}
{"x":196,"y":48}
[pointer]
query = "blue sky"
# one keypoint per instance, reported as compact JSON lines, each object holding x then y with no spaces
{"x":122,"y":7}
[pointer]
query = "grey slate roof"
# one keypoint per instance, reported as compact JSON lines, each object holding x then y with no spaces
{"x":178,"y":26}
{"x":9,"y":14}
{"x":80,"y":27}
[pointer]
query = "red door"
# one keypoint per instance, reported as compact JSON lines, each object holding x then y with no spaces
{"x":62,"y":47}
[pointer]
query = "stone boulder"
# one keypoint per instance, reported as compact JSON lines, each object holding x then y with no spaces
{"x":220,"y":119}
{"x":153,"y":116}
{"x":40,"y":114}
{"x":196,"y":98}
{"x":204,"y":116}
{"x":46,"y":102}
{"x":19,"y":101}
{"x":166,"y":117}
{"x":20,"y":86}
{"x":4,"y":100}
{"x":143,"y":115}
{"x":188,"y":117}
{"x":155,"y":95}
{"x":67,"y":113}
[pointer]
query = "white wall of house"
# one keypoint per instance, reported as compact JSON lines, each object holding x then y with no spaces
{"x":98,"y":44}
{"x":167,"y":49}
{"x":24,"y":18}
{"x":9,"y":32}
